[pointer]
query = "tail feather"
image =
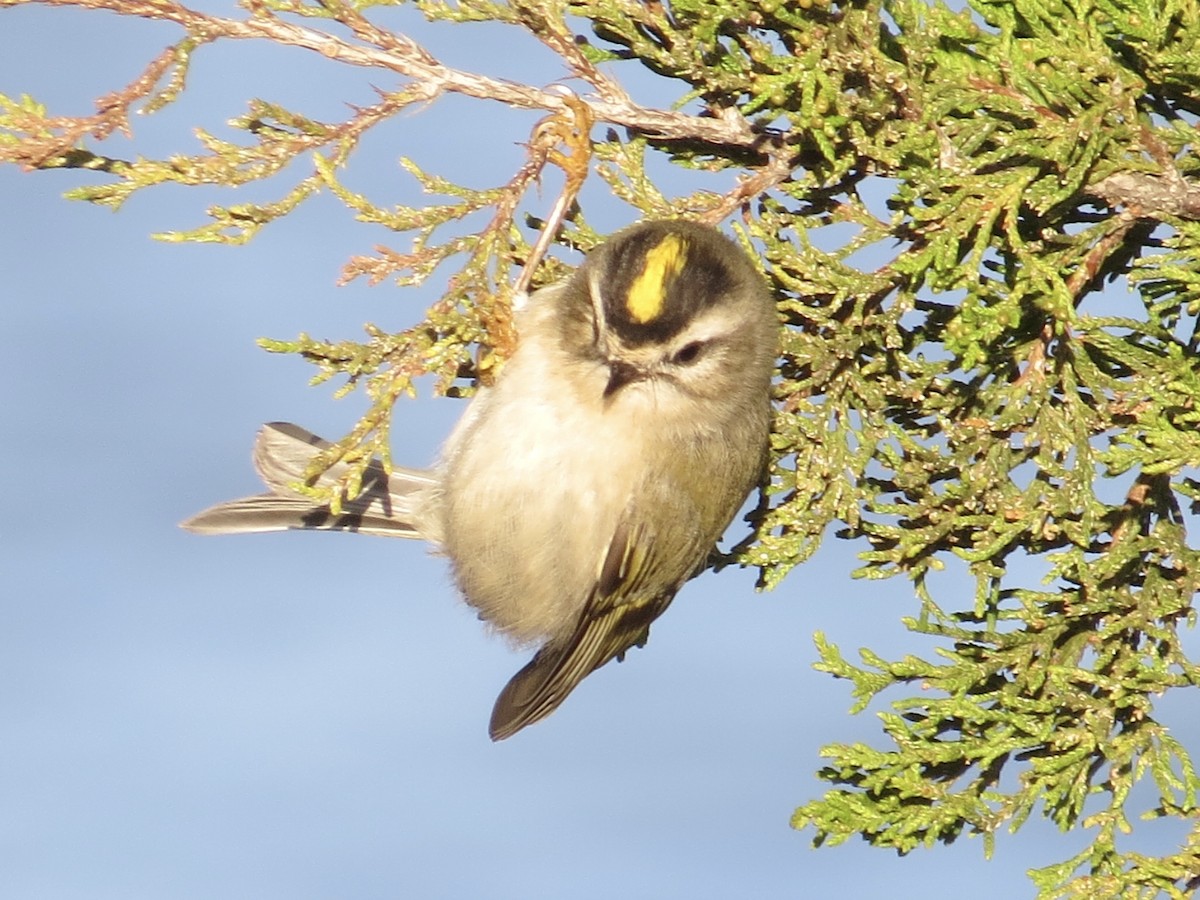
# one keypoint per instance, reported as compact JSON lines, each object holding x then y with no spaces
{"x":389,"y":505}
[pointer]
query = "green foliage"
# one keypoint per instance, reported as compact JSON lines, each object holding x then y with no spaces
{"x":953,"y":385}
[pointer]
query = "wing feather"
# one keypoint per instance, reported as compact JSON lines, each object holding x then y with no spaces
{"x":616,"y":617}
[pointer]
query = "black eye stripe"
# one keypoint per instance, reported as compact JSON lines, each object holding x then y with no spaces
{"x":688,"y":353}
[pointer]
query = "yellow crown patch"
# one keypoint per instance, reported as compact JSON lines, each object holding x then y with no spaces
{"x":663,"y":264}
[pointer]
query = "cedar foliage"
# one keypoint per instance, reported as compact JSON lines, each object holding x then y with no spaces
{"x":955,"y":381}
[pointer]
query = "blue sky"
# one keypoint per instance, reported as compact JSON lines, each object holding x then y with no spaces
{"x":304,"y":716}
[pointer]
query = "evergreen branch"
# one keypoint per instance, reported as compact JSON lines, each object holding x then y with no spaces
{"x":948,"y":389}
{"x":52,"y":142}
{"x":404,"y":56}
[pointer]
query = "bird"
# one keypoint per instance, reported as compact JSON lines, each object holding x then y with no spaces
{"x":580,"y":491}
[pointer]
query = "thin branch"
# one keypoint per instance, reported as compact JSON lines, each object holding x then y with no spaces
{"x":1150,"y":196}
{"x":400,"y":54}
{"x":574,"y":133}
{"x":60,"y":135}
{"x":775,"y":172}
{"x":552,"y":31}
{"x":1085,"y":274}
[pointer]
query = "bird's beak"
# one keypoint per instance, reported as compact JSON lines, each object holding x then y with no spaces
{"x":619,"y":375}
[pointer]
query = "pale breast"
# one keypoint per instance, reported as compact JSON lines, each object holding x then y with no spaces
{"x":534,"y":489}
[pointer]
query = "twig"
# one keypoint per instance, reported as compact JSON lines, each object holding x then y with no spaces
{"x":1150,"y":196}
{"x":400,"y":54}
{"x":776,"y":171}
{"x":574,"y":131}
{"x":112,"y":115}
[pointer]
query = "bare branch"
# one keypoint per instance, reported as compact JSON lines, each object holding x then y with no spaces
{"x":574,"y":133}
{"x":777,"y":170}
{"x":401,"y":54}
{"x":1150,"y":196}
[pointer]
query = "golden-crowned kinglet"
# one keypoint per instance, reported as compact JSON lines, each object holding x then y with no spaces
{"x":580,"y":491}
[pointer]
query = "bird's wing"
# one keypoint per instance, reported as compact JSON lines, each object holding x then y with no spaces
{"x":635,"y":585}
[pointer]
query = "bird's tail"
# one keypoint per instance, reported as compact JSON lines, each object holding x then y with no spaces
{"x":389,"y":505}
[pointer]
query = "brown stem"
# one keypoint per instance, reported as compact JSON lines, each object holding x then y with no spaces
{"x":404,"y":56}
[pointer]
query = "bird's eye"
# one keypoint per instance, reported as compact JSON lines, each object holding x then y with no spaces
{"x":688,"y":353}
